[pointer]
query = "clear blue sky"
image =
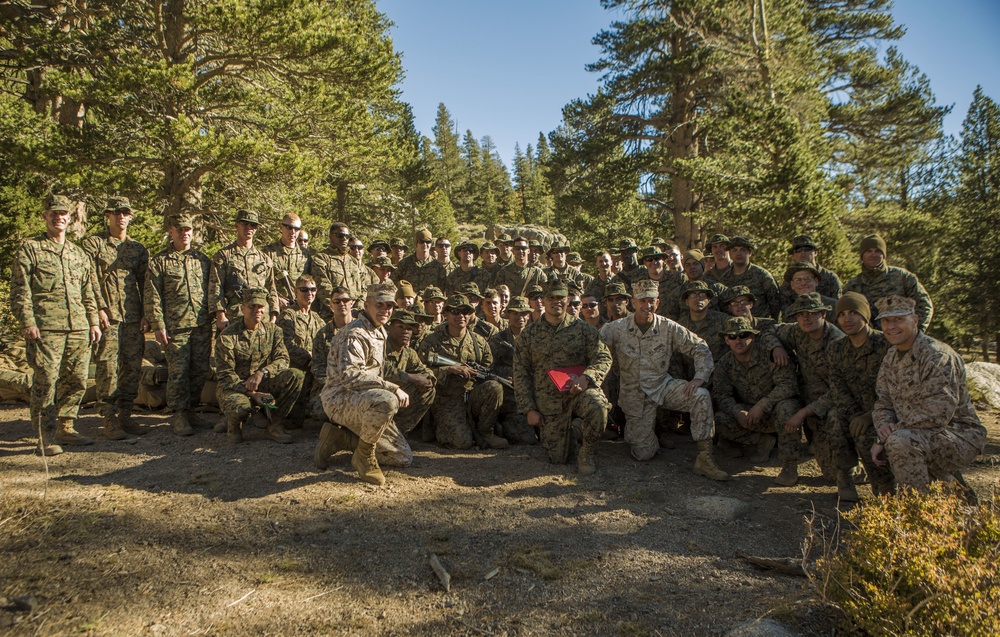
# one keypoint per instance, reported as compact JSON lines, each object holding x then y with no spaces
{"x":506,"y":69}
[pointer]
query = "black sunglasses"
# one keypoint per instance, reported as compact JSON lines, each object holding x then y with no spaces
{"x":651,"y":259}
{"x":460,"y":311}
{"x":590,"y":305}
{"x":290,"y":226}
{"x":358,"y":247}
{"x":307,"y":289}
{"x":340,"y":235}
{"x":739,"y":336}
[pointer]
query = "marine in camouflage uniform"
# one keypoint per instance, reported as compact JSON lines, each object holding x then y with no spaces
{"x":708,"y":327}
{"x":336,"y":267}
{"x":740,"y":386}
{"x":468,"y":271}
{"x":924,"y":415}
{"x":405,"y":368}
{"x":557,"y":341}
{"x":288,"y":259}
{"x":804,"y":249}
{"x":466,"y":412}
{"x":738,"y":301}
{"x":236,"y":268}
{"x":299,"y":326}
{"x":853,"y":373}
{"x":120,"y":271}
{"x":694,"y":270}
{"x":803,"y":278}
{"x":255,"y":353}
{"x":879,"y":280}
{"x":320,"y":356}
{"x":52,"y":297}
{"x":424,"y":270}
{"x":832,"y":447}
{"x":513,"y":424}
{"x":560,"y":269}
{"x":759,"y":280}
{"x":177,"y":308}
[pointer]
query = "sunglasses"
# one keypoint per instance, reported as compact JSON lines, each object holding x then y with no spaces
{"x":444,"y":245}
{"x":739,"y":336}
{"x":341,"y":301}
{"x":290,"y":226}
{"x":307,"y":289}
{"x":651,"y":259}
{"x":357,"y":247}
{"x":575,"y":303}
{"x":340,"y":235}
{"x":124,"y":212}
{"x":460,"y":311}
{"x":698,"y":295}
{"x":591,"y":305}
{"x":427,"y":241}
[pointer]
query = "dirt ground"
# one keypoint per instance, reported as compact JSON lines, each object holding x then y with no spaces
{"x":193,"y":536}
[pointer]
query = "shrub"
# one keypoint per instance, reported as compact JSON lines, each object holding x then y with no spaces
{"x":917,"y":564}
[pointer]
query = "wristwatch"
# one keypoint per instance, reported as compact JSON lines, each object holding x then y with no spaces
{"x":265,"y":373}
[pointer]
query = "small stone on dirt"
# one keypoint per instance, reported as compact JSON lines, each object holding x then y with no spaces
{"x":718,"y":508}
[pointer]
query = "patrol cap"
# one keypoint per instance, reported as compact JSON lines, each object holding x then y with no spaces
{"x":182,"y":222}
{"x":487,"y":246}
{"x":254,"y":296}
{"x":616,"y":289}
{"x":505,"y":239}
{"x":895,"y":305}
{"x":802,"y":241}
{"x":535,"y":290}
{"x":719,"y":238}
{"x":426,"y":319}
{"x":60,"y":203}
{"x":741,"y":242}
{"x":422,"y":235}
{"x":652,"y":251}
{"x":117,"y":203}
{"x":468,"y":245}
{"x":800,"y":266}
{"x":379,"y":243}
{"x":646,"y":289}
{"x":381,"y":292}
{"x":573,"y":258}
{"x":397,"y":242}
{"x":556,"y":288}
{"x":811,"y":302}
{"x":557,"y":246}
{"x":248,"y":216}
{"x":518,"y":304}
{"x":470,"y":290}
{"x":404,"y":316}
{"x":406,"y":288}
{"x":432,"y":292}
{"x":456,"y":301}
{"x":736,"y":325}
{"x":535,"y":243}
{"x":735,"y":292}
{"x":855,"y":302}
{"x":381,"y":262}
{"x":691,"y":287}
{"x":873,"y":241}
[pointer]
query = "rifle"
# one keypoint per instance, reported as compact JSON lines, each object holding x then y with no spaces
{"x":480,"y":373}
{"x":288,"y":283}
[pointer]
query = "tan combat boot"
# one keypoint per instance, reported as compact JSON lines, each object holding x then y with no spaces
{"x":846,"y":490}
{"x":586,"y":460}
{"x":130,"y":426}
{"x":333,"y":438}
{"x":366,"y":464}
{"x":278,"y":434}
{"x":494,"y":441}
{"x":66,"y":434}
{"x":789,"y":475}
{"x":704,"y":464}
{"x":113,"y":428}
{"x":182,"y":424}
{"x":234,"y":428}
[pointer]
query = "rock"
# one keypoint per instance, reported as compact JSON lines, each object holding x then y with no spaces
{"x":761,"y":628}
{"x":984,"y":382}
{"x":718,"y":508}
{"x":26,"y":603}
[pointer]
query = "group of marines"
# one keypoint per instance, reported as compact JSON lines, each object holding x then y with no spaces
{"x":520,"y":348}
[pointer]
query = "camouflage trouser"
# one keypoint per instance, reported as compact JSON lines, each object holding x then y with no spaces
{"x":188,"y":368}
{"x":880,"y":477}
{"x":366,"y":412}
{"x":406,"y":419}
{"x":119,"y":361}
{"x":304,"y":403}
{"x":919,"y":455}
{"x":284,"y":386}
{"x":557,"y":433}
{"x":513,"y":423}
{"x":830,"y":448}
{"x":640,"y":433}
{"x":789,"y":445}
{"x":60,"y":361}
{"x":14,"y":385}
{"x":452,"y":414}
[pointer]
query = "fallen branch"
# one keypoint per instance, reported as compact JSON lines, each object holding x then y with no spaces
{"x":440,"y":572}
{"x":309,"y":599}
{"x":787,"y":565}
{"x":243,"y":598}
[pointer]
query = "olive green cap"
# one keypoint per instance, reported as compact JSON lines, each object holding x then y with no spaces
{"x":117,"y":203}
{"x":696,"y":286}
{"x":573,"y":258}
{"x":254,"y":296}
{"x":737,"y":324}
{"x":811,"y":302}
{"x":616,"y":289}
{"x":741,"y":242}
{"x":432,"y":292}
{"x":736,"y":292}
{"x":59,"y":203}
{"x":182,"y":221}
{"x":249,"y":216}
{"x":457,"y":301}
{"x":518,"y":304}
{"x":381,"y":262}
{"x":404,"y":316}
{"x":802,"y":241}
{"x":470,"y":290}
{"x":719,"y":238}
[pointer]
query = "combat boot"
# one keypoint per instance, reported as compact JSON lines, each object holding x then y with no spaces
{"x":846,"y":490}
{"x":196,"y":421}
{"x":333,"y":438}
{"x":278,"y":434}
{"x":234,"y":428}
{"x":367,"y":465}
{"x":50,"y":449}
{"x":586,"y":459}
{"x":704,"y":464}
{"x":762,"y":450}
{"x":666,"y":440}
{"x":113,"y":428}
{"x":789,"y":475}
{"x":130,"y":426}
{"x":494,"y":441}
{"x":182,"y":423}
{"x":66,"y":434}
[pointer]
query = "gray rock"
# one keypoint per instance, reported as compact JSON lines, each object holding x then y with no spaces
{"x":718,"y":508}
{"x":984,"y":382}
{"x":761,"y":628}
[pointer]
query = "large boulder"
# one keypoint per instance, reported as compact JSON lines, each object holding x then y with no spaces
{"x":545,"y":236}
{"x":984,"y":383}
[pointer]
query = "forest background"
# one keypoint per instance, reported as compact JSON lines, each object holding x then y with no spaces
{"x":753,"y":117}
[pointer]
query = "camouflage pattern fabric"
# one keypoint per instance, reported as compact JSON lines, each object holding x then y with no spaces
{"x":761,"y":284}
{"x":567,"y":273}
{"x":234,"y":269}
{"x":513,"y":424}
{"x":299,"y":330}
{"x":643,"y":358}
{"x":397,"y":366}
{"x":519,"y":279}
{"x":120,"y":266}
{"x":420,"y":274}
{"x":829,"y":286}
{"x":317,"y":367}
{"x":673,"y":308}
{"x":876,"y":283}
{"x":481,"y":328}
{"x":708,"y":329}
{"x":923,"y":392}
{"x":291,"y":259}
{"x":759,"y":382}
{"x":15,"y":373}
{"x":119,"y":364}
{"x":285,"y":386}
{"x":828,"y":301}
{"x":188,"y":366}
{"x":60,"y":361}
{"x":459,"y":277}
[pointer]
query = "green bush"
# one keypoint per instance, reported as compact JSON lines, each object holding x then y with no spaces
{"x":917,"y":564}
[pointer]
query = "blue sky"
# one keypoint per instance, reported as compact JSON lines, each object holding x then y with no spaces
{"x":506,"y":69}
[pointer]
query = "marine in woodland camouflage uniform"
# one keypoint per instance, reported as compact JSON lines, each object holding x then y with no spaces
{"x":15,"y":372}
{"x":178,"y":311}
{"x":518,"y":276}
{"x":741,"y":387}
{"x":289,"y":260}
{"x":421,"y":269}
{"x":558,"y":341}
{"x":694,"y":270}
{"x":299,"y":326}
{"x":52,"y":298}
{"x":738,"y":301}
{"x":250,"y":362}
{"x":759,"y":280}
{"x":805,"y":249}
{"x":513,"y":424}
{"x":669,"y":283}
{"x":335,"y":267}
{"x":879,"y":280}
{"x":465,"y":411}
{"x":926,"y":422}
{"x":803,"y":278}
{"x":405,"y":368}
{"x":120,"y":267}
{"x":560,"y":268}
{"x":467,"y":271}
{"x":340,"y":306}
{"x":853,"y":373}
{"x":238,"y":267}
{"x":709,"y":326}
